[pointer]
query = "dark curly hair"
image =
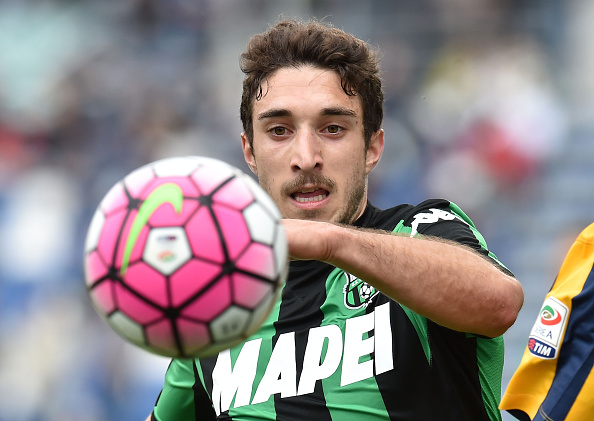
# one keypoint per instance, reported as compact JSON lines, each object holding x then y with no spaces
{"x":292,"y":43}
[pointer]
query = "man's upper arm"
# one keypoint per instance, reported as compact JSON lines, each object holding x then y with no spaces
{"x":451,"y":223}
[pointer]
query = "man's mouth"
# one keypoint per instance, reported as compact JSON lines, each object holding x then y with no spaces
{"x":309,"y":195}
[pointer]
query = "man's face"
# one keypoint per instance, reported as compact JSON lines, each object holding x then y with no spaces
{"x":308,"y":147}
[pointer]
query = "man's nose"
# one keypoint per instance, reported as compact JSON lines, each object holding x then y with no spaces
{"x":307,"y":152}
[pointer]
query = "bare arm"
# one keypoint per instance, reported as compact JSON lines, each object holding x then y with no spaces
{"x":448,"y":283}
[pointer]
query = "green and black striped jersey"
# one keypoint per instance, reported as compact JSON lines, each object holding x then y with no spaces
{"x":334,"y":348}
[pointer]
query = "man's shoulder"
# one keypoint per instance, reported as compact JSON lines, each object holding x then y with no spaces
{"x":404,"y":213}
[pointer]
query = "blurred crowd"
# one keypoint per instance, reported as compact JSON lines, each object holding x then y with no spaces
{"x":488,"y":104}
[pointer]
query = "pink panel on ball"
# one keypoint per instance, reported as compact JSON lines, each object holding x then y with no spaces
{"x":109,"y":235}
{"x":114,"y":200}
{"x":193,"y":335}
{"x":187,"y":187}
{"x":147,"y":282}
{"x":102,"y":296}
{"x":235,"y":193}
{"x":137,"y":181}
{"x":160,"y":335}
{"x":208,"y":177}
{"x":204,"y":237}
{"x":134,"y":307}
{"x":166,"y":216}
{"x":248,"y":291}
{"x":211,"y":303}
{"x":190,"y":279}
{"x":258,"y":259}
{"x":138,"y":246}
{"x":95,"y":269}
{"x":235,"y":231}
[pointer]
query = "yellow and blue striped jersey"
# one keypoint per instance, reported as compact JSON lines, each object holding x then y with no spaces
{"x":554,"y":380}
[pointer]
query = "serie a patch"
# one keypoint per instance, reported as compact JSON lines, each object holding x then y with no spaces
{"x":548,"y":330}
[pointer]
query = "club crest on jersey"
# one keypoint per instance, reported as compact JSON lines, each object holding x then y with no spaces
{"x":548,"y":330}
{"x":357,"y":293}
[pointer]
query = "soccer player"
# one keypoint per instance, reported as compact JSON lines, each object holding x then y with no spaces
{"x":386,"y":314}
{"x":555,"y":380}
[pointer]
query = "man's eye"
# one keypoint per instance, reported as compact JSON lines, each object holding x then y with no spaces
{"x":279,"y":131}
{"x":333,"y":129}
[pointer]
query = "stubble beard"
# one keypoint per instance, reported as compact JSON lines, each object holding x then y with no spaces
{"x":354,"y":205}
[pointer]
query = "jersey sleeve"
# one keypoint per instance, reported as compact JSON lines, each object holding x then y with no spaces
{"x":183,"y":397}
{"x":444,"y":219}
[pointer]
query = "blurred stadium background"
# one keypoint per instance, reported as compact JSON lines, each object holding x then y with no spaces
{"x":489,"y":104}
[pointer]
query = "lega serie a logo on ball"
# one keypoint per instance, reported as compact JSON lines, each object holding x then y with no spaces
{"x":185,"y":257}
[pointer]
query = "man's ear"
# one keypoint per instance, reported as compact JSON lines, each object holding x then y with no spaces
{"x":375,"y":150}
{"x":248,"y":154}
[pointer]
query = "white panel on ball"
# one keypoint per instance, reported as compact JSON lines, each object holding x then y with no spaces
{"x":167,"y":249}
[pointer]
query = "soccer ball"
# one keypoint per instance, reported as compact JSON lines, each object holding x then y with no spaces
{"x":185,"y":257}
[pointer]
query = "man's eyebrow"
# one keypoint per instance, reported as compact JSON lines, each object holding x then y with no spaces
{"x":339,"y":111}
{"x":330,"y":111}
{"x":275,"y":112}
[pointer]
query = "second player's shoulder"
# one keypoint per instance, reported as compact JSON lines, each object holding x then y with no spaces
{"x":587,"y":235}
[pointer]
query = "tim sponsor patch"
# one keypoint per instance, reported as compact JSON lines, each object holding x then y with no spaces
{"x":548,"y":330}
